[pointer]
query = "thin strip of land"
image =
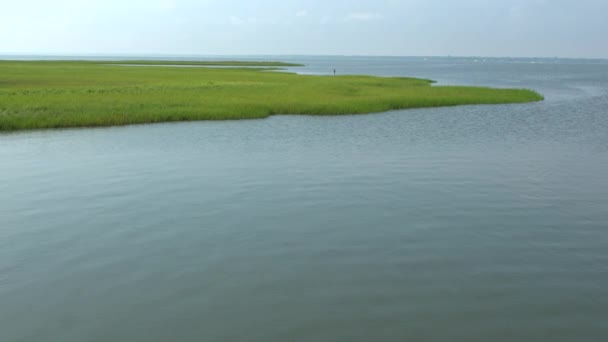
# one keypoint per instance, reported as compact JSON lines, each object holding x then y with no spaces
{"x":209,"y":63}
{"x":154,"y":62}
{"x":61,"y":94}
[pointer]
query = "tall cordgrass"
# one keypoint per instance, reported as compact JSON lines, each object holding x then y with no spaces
{"x":39,"y":95}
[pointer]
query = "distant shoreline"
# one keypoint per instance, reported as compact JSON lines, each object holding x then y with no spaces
{"x":205,"y":58}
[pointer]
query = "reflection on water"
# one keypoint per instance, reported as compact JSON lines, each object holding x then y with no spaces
{"x":476,"y":223}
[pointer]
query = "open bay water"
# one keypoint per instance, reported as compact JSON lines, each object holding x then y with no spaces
{"x":473,"y":223}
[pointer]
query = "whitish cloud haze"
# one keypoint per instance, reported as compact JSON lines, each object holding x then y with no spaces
{"x":564,"y":28}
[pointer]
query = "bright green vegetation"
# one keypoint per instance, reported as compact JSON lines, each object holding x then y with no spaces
{"x":38,"y":95}
{"x":207,"y":63}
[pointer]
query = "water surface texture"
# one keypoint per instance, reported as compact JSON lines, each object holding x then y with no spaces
{"x":475,"y":223}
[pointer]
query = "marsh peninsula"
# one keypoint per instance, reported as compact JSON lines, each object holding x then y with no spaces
{"x":62,"y":94}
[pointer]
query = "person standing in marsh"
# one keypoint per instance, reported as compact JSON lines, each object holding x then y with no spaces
{"x":334,"y":72}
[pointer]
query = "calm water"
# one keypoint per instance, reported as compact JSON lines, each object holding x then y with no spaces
{"x":476,"y":223}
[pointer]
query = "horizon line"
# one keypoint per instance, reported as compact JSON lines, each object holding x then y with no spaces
{"x":165,"y":55}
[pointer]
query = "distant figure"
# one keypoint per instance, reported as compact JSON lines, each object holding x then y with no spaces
{"x":334,"y":72}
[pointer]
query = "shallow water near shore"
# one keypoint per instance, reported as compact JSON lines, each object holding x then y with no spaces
{"x":473,"y":223}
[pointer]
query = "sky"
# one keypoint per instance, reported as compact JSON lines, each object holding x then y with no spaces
{"x":492,"y":28}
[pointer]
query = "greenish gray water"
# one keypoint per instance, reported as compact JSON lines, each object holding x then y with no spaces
{"x":476,"y":223}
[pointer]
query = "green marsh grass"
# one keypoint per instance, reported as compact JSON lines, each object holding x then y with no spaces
{"x":207,"y":63}
{"x":61,"y":94}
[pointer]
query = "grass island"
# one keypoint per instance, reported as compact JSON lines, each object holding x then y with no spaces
{"x":61,"y":94}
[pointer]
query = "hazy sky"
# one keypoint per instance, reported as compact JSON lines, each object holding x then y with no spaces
{"x":564,"y":28}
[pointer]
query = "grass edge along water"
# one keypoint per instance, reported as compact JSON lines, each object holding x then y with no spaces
{"x":63,"y":94}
